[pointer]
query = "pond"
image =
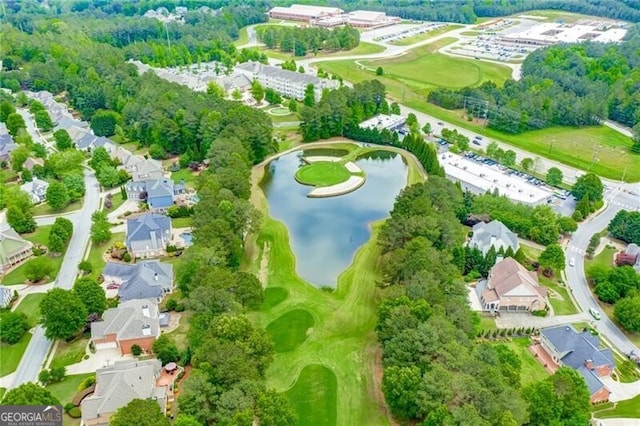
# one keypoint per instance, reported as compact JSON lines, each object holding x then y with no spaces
{"x":325,"y":233}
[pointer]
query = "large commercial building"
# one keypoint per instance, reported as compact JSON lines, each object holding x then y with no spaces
{"x":291,"y":84}
{"x":303,"y":12}
{"x":550,"y":33}
{"x":383,"y":121}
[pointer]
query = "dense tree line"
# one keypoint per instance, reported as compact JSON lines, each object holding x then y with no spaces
{"x":301,"y":41}
{"x":566,"y":85}
{"x":626,"y":226}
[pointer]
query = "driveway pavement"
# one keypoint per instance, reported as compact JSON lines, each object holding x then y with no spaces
{"x":100,"y":359}
{"x":511,"y":320}
{"x":621,"y":391}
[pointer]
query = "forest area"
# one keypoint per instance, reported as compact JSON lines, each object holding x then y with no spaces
{"x":301,"y":41}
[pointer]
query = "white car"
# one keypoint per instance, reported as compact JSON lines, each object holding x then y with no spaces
{"x":572,"y":262}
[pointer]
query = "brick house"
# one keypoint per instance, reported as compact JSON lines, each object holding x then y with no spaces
{"x":133,"y":322}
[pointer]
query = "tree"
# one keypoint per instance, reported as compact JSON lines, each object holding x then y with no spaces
{"x":6,"y":109}
{"x":636,"y":138}
{"x":554,"y":176}
{"x":627,"y":312}
{"x":584,"y":206}
{"x":157,"y":152}
{"x":63,"y":314}
{"x":301,"y":69}
{"x":13,"y":325}
{"x":85,"y":266}
{"x":18,"y":156}
{"x":186,"y":420}
{"x":75,"y":185}
{"x":43,"y":120}
{"x":379,"y":71}
{"x":526,"y":164}
{"x":14,"y":123}
{"x":100,"y":157}
{"x":509,"y":158}
{"x":215,"y":90}
{"x":248,"y":290}
{"x":274,"y":409}
{"x":38,"y":269}
{"x":104,"y":122}
{"x":552,"y":258}
{"x":165,"y":350}
{"x":257,"y":91}
{"x":29,"y":394}
{"x":63,"y":140}
{"x":140,"y":412}
{"x":272,"y":96}
{"x":91,"y":294}
{"x":427,"y":128}
{"x":293,"y":105}
{"x":236,"y":94}
{"x":57,"y":195}
{"x":567,"y":225}
{"x":100,"y":229}
{"x":588,"y":185}
{"x":626,"y":226}
{"x":309,"y":95}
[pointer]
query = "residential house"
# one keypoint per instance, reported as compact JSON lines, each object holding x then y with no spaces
{"x":88,"y":142}
{"x":149,"y":279}
{"x":582,"y":352}
{"x":148,"y":235}
{"x":13,"y":248}
{"x":37,"y":189}
{"x":133,"y":322}
{"x":6,"y":294}
{"x":31,"y":162}
{"x":510,"y":287}
{"x":291,"y":84}
{"x":6,"y":146}
{"x":159,"y":194}
{"x":493,"y":234}
{"x":147,"y":170}
{"x":634,"y":250}
{"x":119,"y":384}
{"x":126,"y":159}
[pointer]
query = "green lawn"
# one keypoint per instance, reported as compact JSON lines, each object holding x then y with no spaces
{"x":45,"y":209}
{"x":322,"y":173}
{"x":190,"y":178}
{"x":40,"y":236}
{"x":69,"y":353}
{"x":531,"y":371}
{"x":624,"y":409}
{"x":11,"y":354}
{"x":17,"y":276}
{"x":314,"y":396}
{"x":603,"y":259}
{"x":424,"y":36}
{"x":290,"y":330}
{"x":116,"y":201}
{"x":96,"y":254}
{"x":2,"y":392}
{"x":181,"y":222}
{"x":30,"y":306}
{"x":273,"y":296}
{"x":68,"y":388}
{"x":558,"y":297}
{"x":179,"y":335}
{"x":487,"y":323}
{"x":363,"y":48}
{"x":243,"y":37}
{"x":276,"y":119}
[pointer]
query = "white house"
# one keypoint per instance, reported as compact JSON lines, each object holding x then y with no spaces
{"x":37,"y":189}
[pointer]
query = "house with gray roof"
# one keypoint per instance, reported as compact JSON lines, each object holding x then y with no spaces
{"x":126,"y":159}
{"x":147,"y":169}
{"x":6,"y":146}
{"x":493,"y":234}
{"x":31,"y":162}
{"x":582,"y":352}
{"x":159,"y":194}
{"x":148,"y":235}
{"x":634,"y":250}
{"x":119,"y":384}
{"x":37,"y":189}
{"x":133,"y":322}
{"x":13,"y":248}
{"x":6,"y":294}
{"x":148,"y":279}
{"x":291,"y":84}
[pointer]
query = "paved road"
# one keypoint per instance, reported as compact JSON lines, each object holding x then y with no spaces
{"x":36,"y":352}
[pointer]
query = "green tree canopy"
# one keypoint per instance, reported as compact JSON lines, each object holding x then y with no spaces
{"x":588,"y":185}
{"x":14,"y":123}
{"x":554,"y":176}
{"x":57,"y":195}
{"x":13,"y":325}
{"x":92,"y":295}
{"x":552,"y":258}
{"x":627,"y":312}
{"x":626,"y":226}
{"x":140,"y":412}
{"x":104,"y":122}
{"x":63,"y":140}
{"x":63,"y":313}
{"x":29,"y":394}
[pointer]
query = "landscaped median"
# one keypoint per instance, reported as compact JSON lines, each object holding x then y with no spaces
{"x":329,"y":176}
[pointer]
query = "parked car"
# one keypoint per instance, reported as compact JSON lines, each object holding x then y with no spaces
{"x":476,"y":142}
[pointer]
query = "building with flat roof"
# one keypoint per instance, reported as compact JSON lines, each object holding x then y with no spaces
{"x":291,"y":84}
{"x":550,"y":33}
{"x":384,"y":121}
{"x":303,"y":12}
{"x":369,"y":19}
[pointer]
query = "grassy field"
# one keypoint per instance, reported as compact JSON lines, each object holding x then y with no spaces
{"x":602,"y":259}
{"x":68,"y":388}
{"x":45,"y":209}
{"x":69,"y":353}
{"x":11,"y":354}
{"x":322,"y":173}
{"x":243,"y":37}
{"x":531,"y":371}
{"x":18,"y":275}
{"x":30,"y":306}
{"x":96,"y":254}
{"x":363,"y":48}
{"x":181,"y":222}
{"x":425,"y":36}
{"x":2,"y":392}
{"x":624,"y":409}
{"x":40,"y":236}
{"x":559,"y":297}
{"x":290,"y":330}
{"x":314,"y":396}
{"x":190,"y":178}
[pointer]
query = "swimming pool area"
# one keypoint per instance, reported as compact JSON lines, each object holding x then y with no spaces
{"x":187,"y":237}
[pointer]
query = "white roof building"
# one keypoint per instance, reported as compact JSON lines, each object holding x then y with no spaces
{"x":303,"y":12}
{"x":383,"y":121}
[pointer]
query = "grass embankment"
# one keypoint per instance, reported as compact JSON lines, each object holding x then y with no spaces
{"x":181,"y":222}
{"x":323,"y":173}
{"x":623,"y":409}
{"x":315,"y":395}
{"x":68,"y":388}
{"x":96,"y":255}
{"x":425,"y":36}
{"x":45,"y":209}
{"x":10,"y":355}
{"x":190,"y":178}
{"x":30,"y":306}
{"x":70,"y":353}
{"x":531,"y":370}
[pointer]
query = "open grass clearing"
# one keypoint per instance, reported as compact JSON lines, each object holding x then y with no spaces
{"x":363,"y":48}
{"x":623,"y":409}
{"x":190,"y":178}
{"x":314,"y":396}
{"x":425,"y":36}
{"x":68,"y":388}
{"x":181,"y":222}
{"x":179,"y":335}
{"x":558,"y":297}
{"x":2,"y":392}
{"x":290,"y":330}
{"x":44,"y":209}
{"x":557,"y":15}
{"x":40,"y":235}
{"x":487,"y":322}
{"x":68,"y":353}
{"x":243,"y":37}
{"x":10,"y":355}
{"x":273,"y":296}
{"x":96,"y":254}
{"x":531,"y":371}
{"x":30,"y":306}
{"x":322,"y":173}
{"x":18,"y":275}
{"x":604,"y":259}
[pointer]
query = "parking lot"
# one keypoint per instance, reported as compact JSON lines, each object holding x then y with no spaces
{"x":491,"y":47}
{"x":404,"y":31}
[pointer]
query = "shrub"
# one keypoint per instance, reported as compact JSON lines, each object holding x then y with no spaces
{"x":75,"y":413}
{"x":539,"y":313}
{"x":126,"y":257}
{"x":68,"y":407}
{"x":58,"y":374}
{"x":108,"y":203}
{"x":85,"y":266}
{"x":89,"y":381}
{"x":180,"y":307}
{"x":171,"y":304}
{"x":136,"y":350}
{"x":44,"y":377}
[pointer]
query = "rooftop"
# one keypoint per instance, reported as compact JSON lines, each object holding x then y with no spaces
{"x":257,"y":68}
{"x":145,"y":280}
{"x":128,"y":321}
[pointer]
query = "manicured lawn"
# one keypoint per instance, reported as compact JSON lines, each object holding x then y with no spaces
{"x":2,"y":392}
{"x":531,"y":253}
{"x":487,"y":323}
{"x":11,"y":354}
{"x":558,"y":297}
{"x":624,"y":409}
{"x":18,"y":275}
{"x":30,"y":306}
{"x":68,"y":388}
{"x":40,"y":236}
{"x":116,"y":201}
{"x":424,"y":36}
{"x":243,"y":37}
{"x":96,"y":254}
{"x":314,"y":396}
{"x":45,"y":209}
{"x":290,"y":330}
{"x":179,"y":335}
{"x":273,"y":296}
{"x":189,"y":177}
{"x":363,"y":48}
{"x":323,"y":173}
{"x":603,"y":259}
{"x":181,"y":222}
{"x":69,"y":353}
{"x":531,"y":370}
{"x":288,"y":118}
